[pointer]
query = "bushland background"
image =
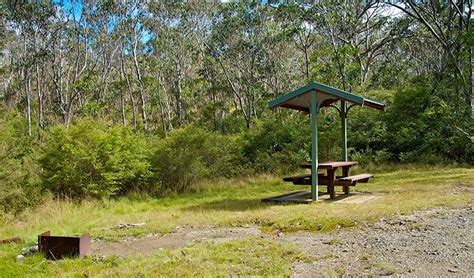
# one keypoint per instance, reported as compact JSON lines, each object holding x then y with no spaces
{"x":100,"y":99}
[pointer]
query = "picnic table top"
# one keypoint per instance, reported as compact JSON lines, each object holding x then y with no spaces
{"x":330,"y":164}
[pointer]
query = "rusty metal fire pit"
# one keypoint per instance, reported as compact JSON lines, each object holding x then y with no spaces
{"x":58,"y":247}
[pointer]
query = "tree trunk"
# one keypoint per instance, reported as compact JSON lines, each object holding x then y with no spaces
{"x":139,"y":81}
{"x":122,"y":108}
{"x":28,"y":100}
{"x":306,"y":61}
{"x":40,"y":97}
{"x":27,"y":87}
{"x":178,"y":94}
{"x":132,"y":99}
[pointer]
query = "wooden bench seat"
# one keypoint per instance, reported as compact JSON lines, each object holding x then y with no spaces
{"x":301,"y":179}
{"x":354,"y":179}
{"x":345,"y":182}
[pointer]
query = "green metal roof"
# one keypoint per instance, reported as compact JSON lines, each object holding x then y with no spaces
{"x":300,"y":98}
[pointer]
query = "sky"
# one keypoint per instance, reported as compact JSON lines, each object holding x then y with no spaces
{"x":74,"y":6}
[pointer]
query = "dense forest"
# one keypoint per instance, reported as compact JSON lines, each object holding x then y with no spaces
{"x":102,"y":98}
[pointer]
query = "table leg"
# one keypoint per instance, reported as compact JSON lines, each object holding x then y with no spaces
{"x":331,"y":180}
{"x":345,"y":173}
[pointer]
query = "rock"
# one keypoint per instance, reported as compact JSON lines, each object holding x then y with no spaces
{"x":130,"y":225}
{"x":453,"y":270}
{"x":29,"y":250}
{"x":280,"y":234}
{"x":99,"y":258}
{"x":20,"y":258}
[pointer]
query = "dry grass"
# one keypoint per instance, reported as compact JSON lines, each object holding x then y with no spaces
{"x":237,"y":203}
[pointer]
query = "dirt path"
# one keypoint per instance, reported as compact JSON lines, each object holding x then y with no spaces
{"x":149,"y":244}
{"x":431,"y":243}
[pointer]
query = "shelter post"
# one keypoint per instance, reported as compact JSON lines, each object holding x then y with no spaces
{"x":314,"y":146}
{"x":343,"y":114}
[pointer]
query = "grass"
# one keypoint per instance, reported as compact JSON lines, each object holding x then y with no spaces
{"x":230,"y":203}
{"x":206,"y":259}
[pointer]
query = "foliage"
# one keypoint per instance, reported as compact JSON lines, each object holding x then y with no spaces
{"x":278,"y":144}
{"x":421,"y":127}
{"x":193,"y":80}
{"x":191,"y":154}
{"x":18,"y":171}
{"x":369,"y":157}
{"x":91,"y":159}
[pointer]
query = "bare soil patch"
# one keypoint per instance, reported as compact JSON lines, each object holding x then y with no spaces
{"x":431,"y":243}
{"x":146,"y":245}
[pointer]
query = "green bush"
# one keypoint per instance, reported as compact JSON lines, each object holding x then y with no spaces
{"x":367,"y":127}
{"x":365,"y":158}
{"x":278,"y":144}
{"x":92,"y":159}
{"x":190,"y":154}
{"x":18,"y":171}
{"x":421,"y":127}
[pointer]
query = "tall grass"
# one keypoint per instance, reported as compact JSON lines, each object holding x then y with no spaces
{"x":236,"y":202}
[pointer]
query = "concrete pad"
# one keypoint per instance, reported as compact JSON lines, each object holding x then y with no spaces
{"x":358,"y":198}
{"x":305,"y":198}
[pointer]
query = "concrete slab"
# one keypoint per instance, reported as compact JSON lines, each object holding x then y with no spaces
{"x":358,"y":198}
{"x":305,"y":198}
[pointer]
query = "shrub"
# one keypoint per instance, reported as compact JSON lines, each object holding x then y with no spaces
{"x":422,"y":127}
{"x":92,"y":159}
{"x":365,"y":158}
{"x":367,"y":127}
{"x":18,"y":171}
{"x":190,"y":154}
{"x":278,"y":145}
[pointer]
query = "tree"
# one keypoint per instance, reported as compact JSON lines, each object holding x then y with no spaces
{"x":450,"y":24}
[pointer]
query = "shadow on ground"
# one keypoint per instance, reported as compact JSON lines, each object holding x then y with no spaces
{"x":231,"y":204}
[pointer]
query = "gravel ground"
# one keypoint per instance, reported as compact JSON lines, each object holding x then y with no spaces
{"x":435,"y":243}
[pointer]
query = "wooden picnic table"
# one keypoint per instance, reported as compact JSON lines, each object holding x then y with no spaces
{"x":330,"y":178}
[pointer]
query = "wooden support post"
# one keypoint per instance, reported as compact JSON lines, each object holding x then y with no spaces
{"x":314,"y":146}
{"x":343,"y":114}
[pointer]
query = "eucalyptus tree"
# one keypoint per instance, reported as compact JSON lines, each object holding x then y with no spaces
{"x":298,"y":23}
{"x":105,"y":38}
{"x":238,"y":43}
{"x":356,"y":34}
{"x":449,"y":23}
{"x":176,"y":51}
{"x":27,"y":23}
